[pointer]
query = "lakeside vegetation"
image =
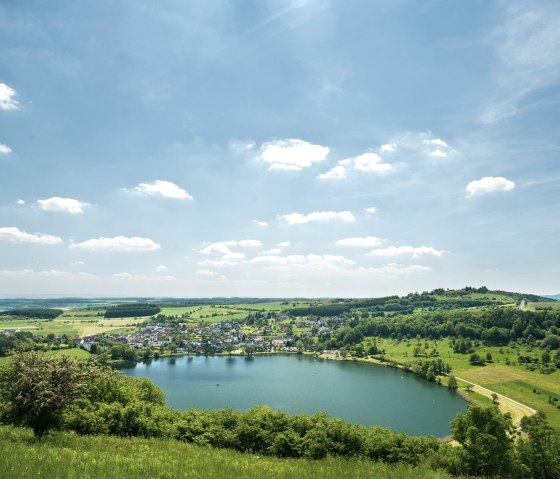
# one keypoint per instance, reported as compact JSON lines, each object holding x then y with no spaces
{"x":48,"y":393}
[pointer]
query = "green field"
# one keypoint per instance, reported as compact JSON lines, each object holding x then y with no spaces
{"x":72,"y":323}
{"x":71,"y":456}
{"x":514,"y":381}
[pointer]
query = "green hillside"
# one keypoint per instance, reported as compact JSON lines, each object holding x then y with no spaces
{"x":67,"y":455}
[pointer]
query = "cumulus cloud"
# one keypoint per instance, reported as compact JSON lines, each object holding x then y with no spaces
{"x":489,"y":184}
{"x":20,"y":202}
{"x":260,"y":223}
{"x":438,"y":154}
{"x":167,"y":189}
{"x":317,"y":216}
{"x":5,"y":149}
{"x":292,"y":154}
{"x":364,"y":241}
{"x":336,"y":173}
{"x":161,"y":269}
{"x":371,"y":162}
{"x":228,"y":259}
{"x":435,"y":142}
{"x":310,"y":261}
{"x":66,"y":205}
{"x":284,"y":244}
{"x":406,"y":250}
{"x":118,"y":243}
{"x":7,"y":98}
{"x":14,"y":234}
{"x":224,"y":247}
{"x":371,"y":210}
{"x":368,"y":162}
{"x":388,"y":148}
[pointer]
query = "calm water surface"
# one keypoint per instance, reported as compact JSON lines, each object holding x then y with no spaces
{"x":358,"y":393}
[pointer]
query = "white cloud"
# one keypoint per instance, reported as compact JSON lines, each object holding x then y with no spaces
{"x":66,"y":205}
{"x":5,"y":149}
{"x":7,"y":98}
{"x":161,"y":269}
{"x":167,"y":189}
{"x":228,"y":259}
{"x":270,"y":251}
{"x":292,"y":154}
{"x":364,"y":241}
{"x":224,"y":247}
{"x":436,"y":142}
{"x":336,"y":173}
{"x":371,"y":162}
{"x":20,"y":202}
{"x":389,"y":148}
{"x":438,"y":154}
{"x":299,"y":218}
{"x":118,"y":243}
{"x":284,"y":244}
{"x":371,"y":210}
{"x":260,"y":223}
{"x":310,"y":261}
{"x":16,"y":235}
{"x":489,"y":184}
{"x":77,"y":263}
{"x":406,"y":250}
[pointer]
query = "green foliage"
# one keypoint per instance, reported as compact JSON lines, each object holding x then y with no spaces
{"x":38,"y":313}
{"x":66,"y":455}
{"x":131,"y":310}
{"x":452,"y":382}
{"x":487,"y":439}
{"x":37,"y":389}
{"x":539,"y":451}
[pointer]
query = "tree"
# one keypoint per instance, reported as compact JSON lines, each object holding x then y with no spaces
{"x":539,"y":452}
{"x":37,"y":389}
{"x":487,"y":439}
{"x":452,"y":382}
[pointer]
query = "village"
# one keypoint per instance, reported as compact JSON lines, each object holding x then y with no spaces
{"x":162,"y":334}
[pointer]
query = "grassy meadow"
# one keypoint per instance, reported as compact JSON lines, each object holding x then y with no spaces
{"x":71,"y":456}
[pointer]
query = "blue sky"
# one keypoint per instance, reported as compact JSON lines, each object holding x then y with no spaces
{"x":278,"y":148}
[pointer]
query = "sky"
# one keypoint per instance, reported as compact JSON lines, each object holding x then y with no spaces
{"x":278,"y":148}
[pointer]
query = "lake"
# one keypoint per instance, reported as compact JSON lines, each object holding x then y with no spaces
{"x":356,"y":392}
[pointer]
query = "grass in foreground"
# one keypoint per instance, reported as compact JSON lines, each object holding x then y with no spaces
{"x":67,"y":455}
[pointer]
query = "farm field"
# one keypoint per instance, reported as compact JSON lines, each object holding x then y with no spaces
{"x":74,"y":323}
